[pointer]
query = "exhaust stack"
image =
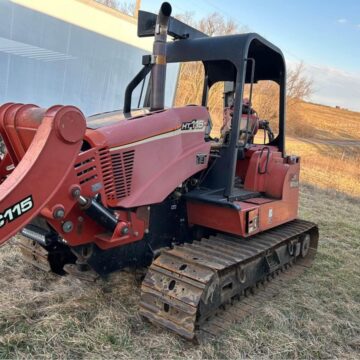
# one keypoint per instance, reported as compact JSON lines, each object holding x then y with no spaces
{"x":158,"y":73}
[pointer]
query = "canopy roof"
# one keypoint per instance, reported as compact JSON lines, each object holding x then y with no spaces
{"x":223,"y":55}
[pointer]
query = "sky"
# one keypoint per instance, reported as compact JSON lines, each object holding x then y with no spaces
{"x":324,"y":35}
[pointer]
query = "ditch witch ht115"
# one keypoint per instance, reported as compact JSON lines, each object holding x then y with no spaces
{"x":212,"y":219}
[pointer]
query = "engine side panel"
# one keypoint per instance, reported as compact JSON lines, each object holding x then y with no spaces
{"x":152,"y":155}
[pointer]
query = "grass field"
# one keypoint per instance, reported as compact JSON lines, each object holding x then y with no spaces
{"x":317,"y":315}
{"x":324,"y":122}
{"x":328,"y":141}
{"x":328,"y":166}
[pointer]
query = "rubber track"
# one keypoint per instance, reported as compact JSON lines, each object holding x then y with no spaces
{"x":255,"y":298}
{"x":33,"y":253}
{"x":186,"y":288}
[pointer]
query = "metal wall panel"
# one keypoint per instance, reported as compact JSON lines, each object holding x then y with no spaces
{"x":47,"y":61}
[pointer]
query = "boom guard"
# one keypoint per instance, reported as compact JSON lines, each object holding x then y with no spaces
{"x":42,"y":146}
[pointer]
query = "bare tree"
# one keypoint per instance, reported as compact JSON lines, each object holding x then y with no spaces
{"x":110,"y":3}
{"x":299,"y":87}
{"x":191,"y":77}
{"x":214,"y":25}
{"x":126,"y":7}
{"x":265,"y":99}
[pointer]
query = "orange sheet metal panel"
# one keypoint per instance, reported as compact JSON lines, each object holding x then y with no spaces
{"x":219,"y":218}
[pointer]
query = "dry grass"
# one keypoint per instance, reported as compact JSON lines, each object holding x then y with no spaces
{"x":324,"y":122}
{"x":324,"y":164}
{"x":317,"y":315}
{"x":328,"y":166}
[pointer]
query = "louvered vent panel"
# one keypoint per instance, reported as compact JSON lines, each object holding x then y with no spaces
{"x":107,"y":173}
{"x":123,"y":165}
{"x":85,"y":169}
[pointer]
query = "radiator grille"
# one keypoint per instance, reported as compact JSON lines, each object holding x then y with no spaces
{"x":117,"y":172}
{"x":123,"y":164}
{"x":107,"y":173}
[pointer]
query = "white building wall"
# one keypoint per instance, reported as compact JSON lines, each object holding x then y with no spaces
{"x":70,"y":52}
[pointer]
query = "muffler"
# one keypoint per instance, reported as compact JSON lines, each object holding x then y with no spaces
{"x":158,"y":74}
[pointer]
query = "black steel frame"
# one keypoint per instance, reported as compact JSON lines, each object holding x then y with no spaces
{"x":227,"y":58}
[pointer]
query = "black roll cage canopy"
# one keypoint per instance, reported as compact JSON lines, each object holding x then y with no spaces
{"x":238,"y":59}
